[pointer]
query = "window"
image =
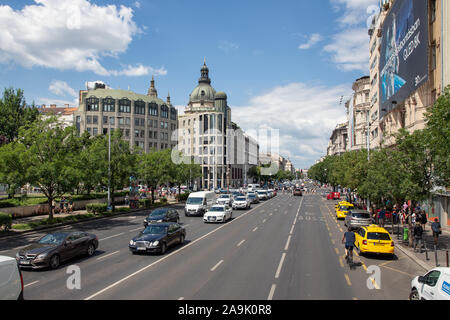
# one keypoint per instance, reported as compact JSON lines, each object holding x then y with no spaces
{"x":94,"y":131}
{"x":121,"y":120}
{"x":88,"y":130}
{"x":136,"y":133}
{"x":89,"y":119}
{"x":433,"y":55}
{"x":92,"y":104}
{"x":164,"y":111}
{"x":127,"y":132}
{"x":105,"y":120}
{"x":127,"y":120}
{"x":162,"y":124}
{"x":153,"y":109}
{"x":166,"y":125}
{"x":139,"y":107}
{"x":142,"y":134}
{"x":108,"y":105}
{"x":111,"y":120}
{"x":173,"y":114}
{"x":219,"y":122}
{"x":137,"y":122}
{"x":95,"y":119}
{"x":125,"y":106}
{"x":432,"y":278}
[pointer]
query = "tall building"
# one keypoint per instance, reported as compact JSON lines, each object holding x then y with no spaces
{"x":338,"y":140}
{"x":205,"y":134}
{"x":145,"y":120}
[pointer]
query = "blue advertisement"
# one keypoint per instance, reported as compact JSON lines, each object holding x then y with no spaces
{"x":404,"y":52}
{"x":446,"y":287}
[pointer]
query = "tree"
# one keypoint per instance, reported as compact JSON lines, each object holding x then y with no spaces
{"x":182,"y":172}
{"x":437,"y":138}
{"x":12,"y":171}
{"x":14,"y":113}
{"x":47,"y":150}
{"x":122,"y":166}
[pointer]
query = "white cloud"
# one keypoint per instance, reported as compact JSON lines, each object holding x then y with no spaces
{"x":138,"y":71}
{"x":61,"y":88}
{"x":228,"y":46}
{"x":313,"y":39}
{"x":349,"y":49}
{"x":355,"y":11}
{"x":304,"y":114}
{"x":66,"y":35}
{"x":137,"y":4}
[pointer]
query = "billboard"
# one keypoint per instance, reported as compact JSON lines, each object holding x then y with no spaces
{"x":404,"y":52}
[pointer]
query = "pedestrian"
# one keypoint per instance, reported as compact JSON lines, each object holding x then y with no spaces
{"x":61,"y":205}
{"x":127,"y":200}
{"x":437,"y":230}
{"x":405,"y":207}
{"x":423,"y":219}
{"x":70,"y":204}
{"x":418,"y":232}
{"x":394,"y":214}
{"x":53,"y":205}
{"x":66,"y":206}
{"x":381,"y":216}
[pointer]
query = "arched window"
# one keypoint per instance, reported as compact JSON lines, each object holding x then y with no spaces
{"x":109,"y":104}
{"x":125,"y":105}
{"x":139,"y":107}
{"x":164,"y":111}
{"x":153,"y":109}
{"x":92,"y":104}
{"x":173,"y":114}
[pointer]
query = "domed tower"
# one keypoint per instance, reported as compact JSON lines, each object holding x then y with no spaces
{"x":203,"y":93}
{"x":220,"y":101}
{"x":152,"y":92}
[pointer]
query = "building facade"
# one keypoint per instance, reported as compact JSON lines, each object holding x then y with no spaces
{"x":64,"y":114}
{"x":145,"y":120}
{"x":206,"y":135}
{"x":338,"y":140}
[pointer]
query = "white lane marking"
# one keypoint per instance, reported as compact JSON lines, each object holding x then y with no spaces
{"x":141,"y":228}
{"x":166,"y":257}
{"x":287,"y":243}
{"x":217,"y":265}
{"x":256,"y":228}
{"x":110,"y":254}
{"x":116,"y":235}
{"x":272,"y":291}
{"x":240,"y":243}
{"x":31,"y":283}
{"x":292,"y":229}
{"x":277,"y":274}
{"x":264,"y":220}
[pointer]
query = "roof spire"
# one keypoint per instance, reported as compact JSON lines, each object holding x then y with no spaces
{"x":152,"y":92}
{"x":168,"y":97}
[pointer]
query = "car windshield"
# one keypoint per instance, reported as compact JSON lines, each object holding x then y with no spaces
{"x":251,"y":195}
{"x":261,"y":192}
{"x":240,"y":199}
{"x":217,"y":209}
{"x":53,"y":238}
{"x":194,"y":201}
{"x":152,"y":229}
{"x":344,"y":208}
{"x":378,"y":236}
{"x":157,"y":213}
{"x":225,"y":196}
{"x":361,"y":215}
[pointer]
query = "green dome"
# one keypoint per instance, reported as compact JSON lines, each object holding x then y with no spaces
{"x":202,"y":92}
{"x":221,"y":95}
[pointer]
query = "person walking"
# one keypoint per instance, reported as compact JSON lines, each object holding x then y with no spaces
{"x":418,"y":232}
{"x":423,"y":219}
{"x":70,"y":204}
{"x":381,"y":216}
{"x":437,"y":230}
{"x":61,"y":205}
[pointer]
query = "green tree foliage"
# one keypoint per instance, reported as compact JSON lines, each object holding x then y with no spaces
{"x":14,"y":113}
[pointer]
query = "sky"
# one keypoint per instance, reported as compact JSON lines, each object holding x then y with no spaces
{"x":283,"y":64}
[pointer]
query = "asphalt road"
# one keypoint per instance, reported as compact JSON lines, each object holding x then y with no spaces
{"x":285,"y":248}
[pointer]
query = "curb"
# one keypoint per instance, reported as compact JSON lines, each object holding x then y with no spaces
{"x":421,"y":263}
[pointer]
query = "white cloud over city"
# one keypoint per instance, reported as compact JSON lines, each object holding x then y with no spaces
{"x":68,"y":35}
{"x":305,"y":115}
{"x":313,"y":39}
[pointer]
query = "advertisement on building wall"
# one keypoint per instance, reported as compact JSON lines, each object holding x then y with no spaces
{"x":404,"y":52}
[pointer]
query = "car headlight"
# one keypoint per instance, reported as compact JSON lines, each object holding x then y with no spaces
{"x":132,"y":243}
{"x":42,"y":256}
{"x":155,"y":243}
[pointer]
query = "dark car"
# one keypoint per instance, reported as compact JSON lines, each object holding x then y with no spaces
{"x":297,"y":192}
{"x":54,"y":248}
{"x":158,"y":237}
{"x":162,"y":215}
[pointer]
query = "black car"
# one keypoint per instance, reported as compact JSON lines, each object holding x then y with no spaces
{"x":158,"y":237}
{"x":162,"y":215}
{"x":54,"y":248}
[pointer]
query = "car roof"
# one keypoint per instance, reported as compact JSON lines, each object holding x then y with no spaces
{"x":360,"y":211}
{"x":375,"y":228}
{"x":164,"y":224}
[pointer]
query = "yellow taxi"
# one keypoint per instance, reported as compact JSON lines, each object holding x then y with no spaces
{"x":342,"y":209}
{"x":373,"y":239}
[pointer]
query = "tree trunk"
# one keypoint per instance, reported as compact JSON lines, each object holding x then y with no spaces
{"x":50,"y":201}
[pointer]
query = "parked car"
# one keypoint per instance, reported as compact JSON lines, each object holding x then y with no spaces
{"x":357,"y":218}
{"x":162,"y":215}
{"x":218,"y":213}
{"x":253,"y":197}
{"x":158,"y":237}
{"x":434,"y":285}
{"x":297,"y":192}
{"x":242,"y":203}
{"x":334,"y":196}
{"x":11,"y":280}
{"x":373,"y":239}
{"x":225,"y":199}
{"x":342,"y":209}
{"x":54,"y":248}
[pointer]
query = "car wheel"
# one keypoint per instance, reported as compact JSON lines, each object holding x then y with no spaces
{"x":90,"y":249}
{"x":414,"y":295}
{"x":54,"y":261}
{"x":163,"y":248}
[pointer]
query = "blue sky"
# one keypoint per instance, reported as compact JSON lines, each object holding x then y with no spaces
{"x":283,"y":64}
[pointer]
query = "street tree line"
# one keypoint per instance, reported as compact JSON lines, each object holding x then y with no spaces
{"x":409,"y":170}
{"x":42,"y":152}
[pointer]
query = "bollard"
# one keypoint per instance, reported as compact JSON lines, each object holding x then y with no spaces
{"x":426,"y":250}
{"x":435,"y":256}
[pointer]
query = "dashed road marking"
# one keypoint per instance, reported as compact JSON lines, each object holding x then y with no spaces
{"x":217,"y":265}
{"x":110,"y":254}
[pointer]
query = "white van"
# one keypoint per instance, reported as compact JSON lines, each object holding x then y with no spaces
{"x":11,"y":281}
{"x":253,"y":187}
{"x":435,"y":285}
{"x":199,"y":202}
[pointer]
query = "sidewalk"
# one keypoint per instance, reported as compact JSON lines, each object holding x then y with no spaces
{"x":421,"y":257}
